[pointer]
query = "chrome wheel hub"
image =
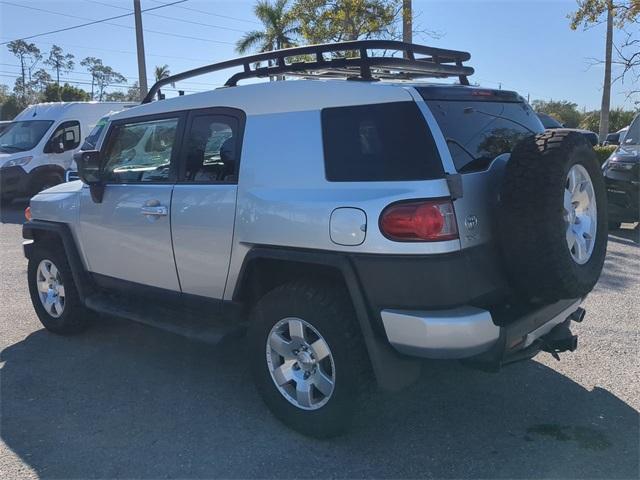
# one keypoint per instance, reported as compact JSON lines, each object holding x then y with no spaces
{"x":50,"y":288}
{"x":300,"y":363}
{"x":580,"y":214}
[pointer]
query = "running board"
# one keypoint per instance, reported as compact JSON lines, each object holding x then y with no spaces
{"x":201,"y":327}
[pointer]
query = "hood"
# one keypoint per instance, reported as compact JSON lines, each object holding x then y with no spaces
{"x":66,"y":187}
{"x":626,"y":153}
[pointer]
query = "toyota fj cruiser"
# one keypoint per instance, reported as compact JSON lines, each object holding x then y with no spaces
{"x":351,"y":226}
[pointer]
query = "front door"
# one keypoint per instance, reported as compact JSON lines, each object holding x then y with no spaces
{"x":204,"y":200}
{"x":128,"y":235}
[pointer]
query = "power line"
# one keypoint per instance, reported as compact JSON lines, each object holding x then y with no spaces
{"x":85,"y":47}
{"x":81,"y":25}
{"x":209,"y":13}
{"x":170,"y":18}
{"x":105,"y":21}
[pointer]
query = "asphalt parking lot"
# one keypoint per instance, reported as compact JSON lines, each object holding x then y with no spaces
{"x":127,"y":401}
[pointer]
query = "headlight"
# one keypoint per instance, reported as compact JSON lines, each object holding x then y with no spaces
{"x":18,"y":162}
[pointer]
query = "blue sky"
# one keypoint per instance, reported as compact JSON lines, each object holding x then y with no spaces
{"x":526,"y":45}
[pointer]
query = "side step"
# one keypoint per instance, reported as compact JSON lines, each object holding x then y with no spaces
{"x":203,"y":327}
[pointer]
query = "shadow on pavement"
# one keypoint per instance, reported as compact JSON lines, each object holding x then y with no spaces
{"x":123,"y":400}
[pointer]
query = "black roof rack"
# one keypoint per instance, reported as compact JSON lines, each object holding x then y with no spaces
{"x":417,"y":61}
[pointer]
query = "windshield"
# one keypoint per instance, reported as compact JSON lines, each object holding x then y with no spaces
{"x":632,"y":137}
{"x":23,"y":136}
{"x":92,"y":139}
{"x":548,"y":121}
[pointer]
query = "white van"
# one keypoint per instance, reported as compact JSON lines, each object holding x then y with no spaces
{"x":37,"y":147}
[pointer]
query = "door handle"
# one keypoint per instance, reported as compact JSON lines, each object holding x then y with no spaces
{"x":157,"y":210}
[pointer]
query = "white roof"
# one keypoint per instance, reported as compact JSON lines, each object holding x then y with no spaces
{"x":59,"y":110}
{"x":278,"y":97}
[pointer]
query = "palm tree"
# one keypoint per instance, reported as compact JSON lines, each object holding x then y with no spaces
{"x":279,"y":28}
{"x":162,"y":72}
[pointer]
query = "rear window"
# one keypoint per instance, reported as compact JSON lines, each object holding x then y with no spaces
{"x":382,"y":142}
{"x":478,"y":131}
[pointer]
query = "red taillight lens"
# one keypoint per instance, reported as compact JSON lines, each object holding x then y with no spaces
{"x":430,"y":221}
{"x":27,"y":213}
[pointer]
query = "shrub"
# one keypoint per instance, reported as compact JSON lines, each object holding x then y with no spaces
{"x":604,"y":151}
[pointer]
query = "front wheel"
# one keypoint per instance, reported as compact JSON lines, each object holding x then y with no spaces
{"x":307,"y":357}
{"x":53,"y":292}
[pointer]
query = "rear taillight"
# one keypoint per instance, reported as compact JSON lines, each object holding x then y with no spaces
{"x":430,"y":221}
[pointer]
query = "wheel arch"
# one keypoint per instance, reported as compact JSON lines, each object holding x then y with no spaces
{"x":264,"y":268}
{"x":59,"y":235}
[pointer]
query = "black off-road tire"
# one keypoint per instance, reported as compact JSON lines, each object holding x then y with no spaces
{"x":531,"y":225}
{"x":75,"y":316}
{"x":329,"y":310}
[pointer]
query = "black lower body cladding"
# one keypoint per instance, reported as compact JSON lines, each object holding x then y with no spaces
{"x":538,"y":215}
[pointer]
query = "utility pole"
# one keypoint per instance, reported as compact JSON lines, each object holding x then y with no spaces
{"x":407,"y":22}
{"x":142,"y":67}
{"x":606,"y":89}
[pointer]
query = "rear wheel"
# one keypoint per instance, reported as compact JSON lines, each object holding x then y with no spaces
{"x":53,"y":292}
{"x":307,"y":357}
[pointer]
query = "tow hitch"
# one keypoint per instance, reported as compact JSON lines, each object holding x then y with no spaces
{"x":560,"y":339}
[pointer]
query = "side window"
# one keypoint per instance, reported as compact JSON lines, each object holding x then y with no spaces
{"x":382,"y":142}
{"x":67,"y":134}
{"x":210,"y":150}
{"x":140,"y":152}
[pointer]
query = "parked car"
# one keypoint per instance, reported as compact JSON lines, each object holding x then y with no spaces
{"x":4,"y":124}
{"x":352,"y":227}
{"x":550,"y":123}
{"x":37,"y":147}
{"x":622,"y":176}
{"x":616,"y":138}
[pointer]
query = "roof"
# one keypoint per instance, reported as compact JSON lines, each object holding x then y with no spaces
{"x":57,"y":110}
{"x":279,"y":97}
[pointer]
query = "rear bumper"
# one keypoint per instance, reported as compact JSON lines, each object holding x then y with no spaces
{"x":473,"y":333}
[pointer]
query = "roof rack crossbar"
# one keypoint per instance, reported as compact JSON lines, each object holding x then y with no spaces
{"x":434,"y":62}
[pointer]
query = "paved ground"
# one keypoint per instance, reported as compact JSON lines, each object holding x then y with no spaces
{"x":127,"y":401}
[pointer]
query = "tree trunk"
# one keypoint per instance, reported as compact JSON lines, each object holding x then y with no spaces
{"x":606,"y":88}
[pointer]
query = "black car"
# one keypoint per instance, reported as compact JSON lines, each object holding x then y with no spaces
{"x":622,"y":175}
{"x":548,"y":122}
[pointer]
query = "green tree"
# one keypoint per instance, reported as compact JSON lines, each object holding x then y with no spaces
{"x":93,"y":65}
{"x":59,"y":61}
{"x":564,"y":111}
{"x":65,"y":93}
{"x":162,"y":72}
{"x":28,"y":55}
{"x":616,"y":13}
{"x":279,"y":28}
{"x":618,"y":118}
{"x":324,"y":21}
{"x":9,"y":105}
{"x":131,"y":95}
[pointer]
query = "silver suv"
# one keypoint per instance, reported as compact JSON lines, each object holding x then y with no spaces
{"x":350,"y":226}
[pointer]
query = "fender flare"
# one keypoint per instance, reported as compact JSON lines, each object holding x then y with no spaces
{"x":392,"y":370}
{"x":81,"y":278}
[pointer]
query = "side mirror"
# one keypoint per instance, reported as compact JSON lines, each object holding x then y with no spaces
{"x":90,"y":172}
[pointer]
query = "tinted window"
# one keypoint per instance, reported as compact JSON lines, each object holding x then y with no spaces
{"x":378,"y":143}
{"x":140,"y":152}
{"x":68,"y":134}
{"x":92,"y":139}
{"x":632,"y":137}
{"x":23,"y":136}
{"x":548,"y":121}
{"x":479,"y":131}
{"x":210,"y":149}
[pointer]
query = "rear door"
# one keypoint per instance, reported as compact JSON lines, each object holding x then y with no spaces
{"x":480,"y":127}
{"x":128,"y":235}
{"x":204,"y":200}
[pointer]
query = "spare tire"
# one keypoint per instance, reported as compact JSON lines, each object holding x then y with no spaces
{"x":553,"y":216}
